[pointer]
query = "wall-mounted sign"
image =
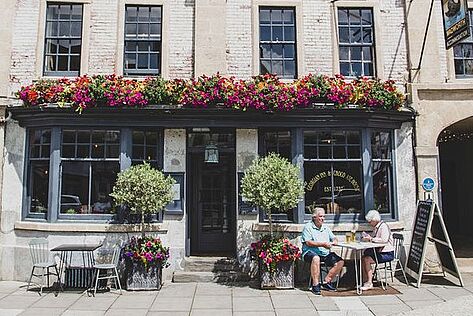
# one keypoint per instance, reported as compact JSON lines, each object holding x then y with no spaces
{"x":455,"y":21}
{"x":428,"y":184}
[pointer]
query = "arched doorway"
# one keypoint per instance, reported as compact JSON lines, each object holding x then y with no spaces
{"x":455,"y":145}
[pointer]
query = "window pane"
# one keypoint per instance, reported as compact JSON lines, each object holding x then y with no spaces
{"x":278,"y":142}
{"x":113,"y":151}
{"x":265,"y":67}
{"x":51,"y":29}
{"x":155,"y":15}
{"x":98,"y":151}
{"x":64,"y":12}
{"x":354,"y":17}
{"x":355,"y":53}
{"x":143,"y":30}
{"x":51,"y":47}
{"x":64,"y":29}
{"x":367,"y":35}
{"x":343,"y":17}
{"x":76,"y":29}
{"x":68,"y":136}
{"x":265,"y":51}
{"x":68,"y":151}
{"x":75,"y":47}
{"x":142,"y":61}
{"x":62,"y":63}
{"x":83,"y":137}
{"x":52,"y":12}
{"x":289,"y":51}
{"x":318,"y":191}
{"x":345,"y":69}
{"x":289,"y":69}
{"x":288,"y":16}
{"x":276,"y":16}
{"x":155,"y":29}
{"x":35,"y":151}
{"x":131,"y":30}
{"x":276,"y":51}
{"x":367,"y":17}
{"x":381,"y":184}
{"x":143,"y":14}
{"x":289,"y":33}
{"x":343,"y":53}
{"x":131,"y":14}
{"x":264,"y":16}
{"x":380,"y":145}
{"x":130,"y":61}
{"x":277,"y":33}
{"x":355,"y":35}
{"x":277,"y":67}
{"x":347,"y":187}
{"x":39,"y":186}
{"x":265,"y":33}
{"x":75,"y":63}
{"x":75,"y":187}
{"x":344,"y":35}
{"x":104,"y":175}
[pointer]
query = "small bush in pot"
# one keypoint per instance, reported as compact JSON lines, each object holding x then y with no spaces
{"x":144,"y":190}
{"x":273,"y":183}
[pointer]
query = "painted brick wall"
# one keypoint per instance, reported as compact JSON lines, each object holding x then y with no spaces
{"x":239,"y":38}
{"x":181,"y":43}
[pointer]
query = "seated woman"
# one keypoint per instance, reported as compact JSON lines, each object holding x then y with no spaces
{"x":381,"y":234}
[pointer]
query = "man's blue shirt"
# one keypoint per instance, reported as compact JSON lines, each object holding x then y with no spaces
{"x":312,"y":232}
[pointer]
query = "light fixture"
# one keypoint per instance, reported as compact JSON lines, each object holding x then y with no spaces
{"x":211,"y":153}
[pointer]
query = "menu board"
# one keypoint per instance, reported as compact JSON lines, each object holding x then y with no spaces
{"x":419,"y":237}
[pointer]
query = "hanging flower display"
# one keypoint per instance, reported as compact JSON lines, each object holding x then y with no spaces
{"x":263,"y":92}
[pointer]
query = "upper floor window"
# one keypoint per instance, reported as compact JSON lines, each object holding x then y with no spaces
{"x":277,"y":42}
{"x":356,"y":42}
{"x":463,"y":53}
{"x":63,"y":39}
{"x":142,"y":40}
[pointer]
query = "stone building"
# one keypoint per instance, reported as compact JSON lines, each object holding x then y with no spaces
{"x":56,"y":185}
{"x":441,"y":92}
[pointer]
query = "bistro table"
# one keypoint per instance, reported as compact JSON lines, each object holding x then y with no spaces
{"x":88,"y":259}
{"x":359,"y":247}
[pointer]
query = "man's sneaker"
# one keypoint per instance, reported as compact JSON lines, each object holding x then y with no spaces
{"x":328,"y":286}
{"x":316,"y":289}
{"x":367,"y":286}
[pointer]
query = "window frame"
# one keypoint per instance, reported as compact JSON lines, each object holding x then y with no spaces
{"x":53,"y":213}
{"x":350,"y":45}
{"x":80,"y":56}
{"x":136,"y":72}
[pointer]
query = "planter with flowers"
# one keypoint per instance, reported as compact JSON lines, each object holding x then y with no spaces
{"x":272,"y":183}
{"x":144,"y":190}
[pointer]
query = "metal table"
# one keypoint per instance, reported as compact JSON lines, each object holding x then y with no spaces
{"x":359,"y":247}
{"x":67,"y":250}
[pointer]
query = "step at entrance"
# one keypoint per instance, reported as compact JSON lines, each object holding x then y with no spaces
{"x":210,"y":269}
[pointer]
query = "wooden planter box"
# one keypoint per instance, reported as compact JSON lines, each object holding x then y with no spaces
{"x":282,"y":278}
{"x":138,"y":278}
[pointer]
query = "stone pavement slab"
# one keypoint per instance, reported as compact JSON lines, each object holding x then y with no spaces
{"x":10,"y":312}
{"x":323,"y":303}
{"x":381,"y":300}
{"x":130,"y":302}
{"x":252,"y":304}
{"x":345,"y":313}
{"x":126,"y":312}
{"x":459,"y":306}
{"x":296,"y":312}
{"x":61,"y":301}
{"x":160,"y":313}
{"x":291,"y":302}
{"x":43,"y":311}
{"x":248,"y":292}
{"x":178,"y":289}
{"x":176,"y":304}
{"x":93,"y":303}
{"x":415,"y":294}
{"x":212,"y":289}
{"x":350,"y":303}
{"x":418,"y":304}
{"x":211,"y":312}
{"x":386,"y":309}
{"x":254,"y":313}
{"x":449,"y":293}
{"x":18,"y":301}
{"x":212,"y":302}
{"x":83,"y":313}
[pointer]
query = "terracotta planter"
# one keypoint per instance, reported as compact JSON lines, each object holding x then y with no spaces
{"x":139,"y":278}
{"x":281,"y":278}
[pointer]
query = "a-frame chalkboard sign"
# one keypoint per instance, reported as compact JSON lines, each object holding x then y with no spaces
{"x":429,"y":220}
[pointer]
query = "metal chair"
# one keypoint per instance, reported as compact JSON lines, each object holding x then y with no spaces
{"x":40,"y":256}
{"x":110,"y":271}
{"x":323,"y":268}
{"x":394,"y":265}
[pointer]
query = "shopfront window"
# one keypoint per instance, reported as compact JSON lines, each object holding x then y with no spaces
{"x":381,"y":150}
{"x":89,"y":167}
{"x":37,"y":189}
{"x":333,"y":171}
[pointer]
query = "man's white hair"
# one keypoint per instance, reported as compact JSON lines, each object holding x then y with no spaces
{"x":373,"y":215}
{"x":317,"y":210}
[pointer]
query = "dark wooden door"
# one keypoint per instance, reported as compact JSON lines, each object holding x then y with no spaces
{"x":213,"y":202}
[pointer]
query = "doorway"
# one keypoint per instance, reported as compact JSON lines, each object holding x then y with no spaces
{"x":211,"y":187}
{"x":456,"y":171}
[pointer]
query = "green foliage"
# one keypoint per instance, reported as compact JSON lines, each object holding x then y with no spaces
{"x":273,"y":183}
{"x":143,"y":189}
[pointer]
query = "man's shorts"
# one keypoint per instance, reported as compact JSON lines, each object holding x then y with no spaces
{"x":382,"y":256}
{"x":330,"y":260}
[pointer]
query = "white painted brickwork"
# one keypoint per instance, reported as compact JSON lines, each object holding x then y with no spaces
{"x":239,"y":38}
{"x":24,"y":43}
{"x":316,"y":36}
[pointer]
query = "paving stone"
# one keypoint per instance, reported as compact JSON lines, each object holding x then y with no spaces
{"x":212,"y":289}
{"x":17,"y":301}
{"x":10,"y":312}
{"x":83,"y":313}
{"x":254,"y":313}
{"x":178,"y":289}
{"x":418,"y":304}
{"x":161,"y":313}
{"x":323,"y":303}
{"x":11,"y":286}
{"x":93,"y":303}
{"x":129,"y":302}
{"x":211,"y":312}
{"x":179,"y":304}
{"x":381,"y":299}
{"x":252,"y":304}
{"x":61,"y":301}
{"x":449,"y":293}
{"x":349,"y":303}
{"x":248,"y":292}
{"x":42,"y":312}
{"x":126,"y":312}
{"x":415,"y":294}
{"x":287,"y":292}
{"x":296,"y":312}
{"x":345,"y":313}
{"x":387,"y":309}
{"x":212,"y":302}
{"x":292,"y":301}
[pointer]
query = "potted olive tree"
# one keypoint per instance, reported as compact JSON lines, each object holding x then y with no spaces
{"x":144,"y":190}
{"x":272,"y":183}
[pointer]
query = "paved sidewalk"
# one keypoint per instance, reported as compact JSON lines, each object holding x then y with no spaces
{"x":214,"y":299}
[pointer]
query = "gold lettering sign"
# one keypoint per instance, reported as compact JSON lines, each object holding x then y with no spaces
{"x":336,"y":173}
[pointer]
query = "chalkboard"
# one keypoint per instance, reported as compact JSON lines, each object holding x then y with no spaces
{"x":419,"y":237}
{"x":244,"y":207}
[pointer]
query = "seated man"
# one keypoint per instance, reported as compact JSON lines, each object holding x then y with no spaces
{"x":317,"y":239}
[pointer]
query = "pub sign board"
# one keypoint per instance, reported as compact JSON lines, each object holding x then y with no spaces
{"x":455,"y":21}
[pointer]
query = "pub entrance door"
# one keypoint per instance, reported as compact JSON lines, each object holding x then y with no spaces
{"x":211,"y":187}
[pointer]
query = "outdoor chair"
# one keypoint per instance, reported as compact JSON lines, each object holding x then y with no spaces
{"x":40,"y":256}
{"x":394,"y":265}
{"x":109,"y":271}
{"x":323,"y":268}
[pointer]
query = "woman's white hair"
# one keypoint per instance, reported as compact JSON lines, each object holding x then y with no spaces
{"x":373,"y":215}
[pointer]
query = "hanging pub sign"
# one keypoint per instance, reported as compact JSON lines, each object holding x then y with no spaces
{"x":455,"y":21}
